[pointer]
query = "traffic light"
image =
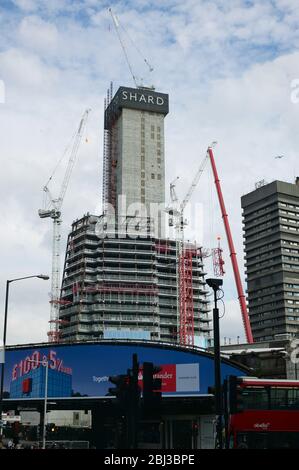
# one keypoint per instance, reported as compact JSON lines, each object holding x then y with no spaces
{"x":195,"y":428}
{"x":39,"y":431}
{"x":121,"y":389}
{"x":152,"y":385}
{"x":51,"y":428}
{"x":134,"y":389}
{"x":235,"y":394}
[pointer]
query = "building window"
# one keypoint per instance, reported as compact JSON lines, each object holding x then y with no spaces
{"x":142,"y":191}
{"x":152,"y":176}
{"x":158,"y":152}
{"x":152,"y":135}
{"x":153,"y":128}
{"x":142,"y":183}
{"x":159,"y":161}
{"x":143,"y":174}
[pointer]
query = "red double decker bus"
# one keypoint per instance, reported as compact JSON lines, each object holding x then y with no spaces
{"x":261,"y":414}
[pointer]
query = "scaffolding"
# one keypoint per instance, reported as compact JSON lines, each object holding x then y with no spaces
{"x":110,"y":156}
{"x":186,"y":331}
{"x":121,"y":283}
{"x":107,"y":160}
{"x":162,"y":247}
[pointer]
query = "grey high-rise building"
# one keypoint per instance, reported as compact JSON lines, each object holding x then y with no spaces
{"x":120,"y":273}
{"x":271,"y":232}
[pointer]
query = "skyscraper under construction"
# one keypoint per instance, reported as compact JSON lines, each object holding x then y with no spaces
{"x":120,"y":272}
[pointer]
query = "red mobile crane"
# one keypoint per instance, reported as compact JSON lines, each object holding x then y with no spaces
{"x":184,"y":257}
{"x":233,"y":255}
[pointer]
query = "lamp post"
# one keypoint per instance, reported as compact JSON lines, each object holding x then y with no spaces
{"x":215,"y":284}
{"x":45,"y":363}
{"x":8,"y":282}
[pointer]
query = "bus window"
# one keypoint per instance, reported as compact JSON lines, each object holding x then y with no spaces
{"x":255,"y":398}
{"x":252,"y":440}
{"x":279,"y":398}
{"x":293,"y":398}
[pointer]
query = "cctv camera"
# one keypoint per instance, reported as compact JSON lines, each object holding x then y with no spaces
{"x":214,"y":283}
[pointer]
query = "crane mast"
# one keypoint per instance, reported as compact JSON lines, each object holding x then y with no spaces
{"x":194,"y":183}
{"x":52,"y":210}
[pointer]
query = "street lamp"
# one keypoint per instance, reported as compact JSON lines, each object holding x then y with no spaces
{"x":8,"y":282}
{"x":216,"y":284}
{"x":45,"y":363}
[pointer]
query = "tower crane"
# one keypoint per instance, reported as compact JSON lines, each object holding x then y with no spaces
{"x":52,"y":209}
{"x":117,"y":25}
{"x":185,"y":313}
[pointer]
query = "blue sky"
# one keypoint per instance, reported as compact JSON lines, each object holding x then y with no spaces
{"x":228,"y":68}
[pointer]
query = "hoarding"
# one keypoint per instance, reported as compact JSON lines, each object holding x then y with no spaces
{"x":83,"y":370}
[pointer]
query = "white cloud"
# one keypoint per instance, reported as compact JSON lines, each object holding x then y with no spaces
{"x":36,"y":33}
{"x":28,"y":72}
{"x":27,"y":5}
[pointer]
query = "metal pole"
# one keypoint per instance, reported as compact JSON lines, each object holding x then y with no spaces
{"x":41,"y":276}
{"x":135,"y":401}
{"x":45,"y":405}
{"x":3,"y":364}
{"x":217,"y":371}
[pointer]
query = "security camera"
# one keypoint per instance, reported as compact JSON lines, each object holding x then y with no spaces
{"x":214,"y":283}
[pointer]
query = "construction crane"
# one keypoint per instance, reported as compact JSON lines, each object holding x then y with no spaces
{"x":176,"y":210}
{"x":233,"y":255}
{"x":117,"y":26}
{"x":52,"y":209}
{"x":185,"y":311}
{"x":218,"y":263}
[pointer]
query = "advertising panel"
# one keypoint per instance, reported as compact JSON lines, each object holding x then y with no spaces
{"x":83,"y":370}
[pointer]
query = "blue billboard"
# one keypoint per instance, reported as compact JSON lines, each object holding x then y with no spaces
{"x":83,"y":369}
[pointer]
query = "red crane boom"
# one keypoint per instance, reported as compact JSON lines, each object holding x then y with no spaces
{"x":232,"y":250}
